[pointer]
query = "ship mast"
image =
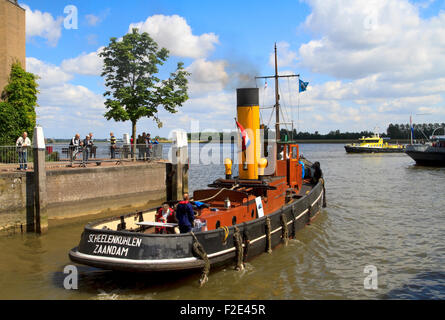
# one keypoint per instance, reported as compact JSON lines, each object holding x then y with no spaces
{"x":277,"y":99}
{"x":277,"y":95}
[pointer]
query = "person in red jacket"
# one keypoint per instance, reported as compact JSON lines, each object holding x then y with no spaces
{"x":165,"y":214}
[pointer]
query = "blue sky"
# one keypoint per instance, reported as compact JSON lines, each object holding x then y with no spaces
{"x":368,"y":63}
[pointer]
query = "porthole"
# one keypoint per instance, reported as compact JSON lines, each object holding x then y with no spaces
{"x":233,"y":220}
{"x":218,"y":224}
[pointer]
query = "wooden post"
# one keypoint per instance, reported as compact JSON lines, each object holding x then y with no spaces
{"x":177,"y":175}
{"x":40,"y":200}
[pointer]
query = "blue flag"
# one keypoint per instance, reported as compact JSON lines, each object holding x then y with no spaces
{"x":303,"y":85}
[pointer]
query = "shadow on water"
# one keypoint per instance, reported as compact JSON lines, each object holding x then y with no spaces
{"x":92,"y":281}
{"x":425,"y":285}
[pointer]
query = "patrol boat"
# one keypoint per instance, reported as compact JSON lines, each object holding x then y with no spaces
{"x":243,"y":216}
{"x":373,"y":144}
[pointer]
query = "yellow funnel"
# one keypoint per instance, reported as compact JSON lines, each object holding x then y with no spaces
{"x":248,"y":112}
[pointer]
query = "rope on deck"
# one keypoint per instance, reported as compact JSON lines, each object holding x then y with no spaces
{"x":199,"y":250}
{"x":268,"y":236}
{"x":285,"y":231}
{"x":214,"y":196}
{"x":238,"y":242}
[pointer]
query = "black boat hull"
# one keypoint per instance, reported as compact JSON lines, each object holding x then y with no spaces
{"x":167,"y":252}
{"x":426,"y":155}
{"x":350,"y":149}
{"x":428,"y":158}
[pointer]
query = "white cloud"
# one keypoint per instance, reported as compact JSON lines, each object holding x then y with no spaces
{"x":285,"y":56}
{"x":173,"y":33}
{"x":61,"y":102}
{"x":50,"y":75}
{"x":85,"y":64}
{"x":386,"y":62}
{"x":207,"y":76}
{"x":92,"y":20}
{"x":361,"y":38}
{"x":71,"y":96}
{"x":43,"y":24}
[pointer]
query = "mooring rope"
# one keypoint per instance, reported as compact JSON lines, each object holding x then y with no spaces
{"x":246,"y":241}
{"x":199,"y":250}
{"x":324,"y":193}
{"x":285,"y":231}
{"x":204,"y":200}
{"x":238,"y":242}
{"x":309,"y":215}
{"x":268,"y":233}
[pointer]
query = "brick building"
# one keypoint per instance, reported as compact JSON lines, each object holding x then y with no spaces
{"x":12,"y":38}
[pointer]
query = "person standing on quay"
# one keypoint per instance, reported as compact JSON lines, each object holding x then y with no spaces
{"x":112,"y":145}
{"x":185,"y":215}
{"x":22,"y":145}
{"x":91,"y":146}
{"x":86,"y":147}
{"x":74,"y":147}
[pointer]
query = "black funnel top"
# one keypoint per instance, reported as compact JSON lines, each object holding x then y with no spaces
{"x":247,"y":97}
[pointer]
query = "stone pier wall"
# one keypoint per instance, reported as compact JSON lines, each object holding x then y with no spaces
{"x":75,"y":192}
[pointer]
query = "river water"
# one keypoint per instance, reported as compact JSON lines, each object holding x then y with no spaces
{"x":383,"y":211}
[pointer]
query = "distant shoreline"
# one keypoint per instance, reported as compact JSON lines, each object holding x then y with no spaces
{"x":307,"y":141}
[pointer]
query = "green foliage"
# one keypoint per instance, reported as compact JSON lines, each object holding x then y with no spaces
{"x":17,"y":109}
{"x":53,"y":157}
{"x":332,"y":135}
{"x":134,"y":90}
{"x":421,"y":130}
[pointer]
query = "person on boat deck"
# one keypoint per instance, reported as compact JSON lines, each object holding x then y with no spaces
{"x":165,"y":215}
{"x":281,"y":153}
{"x":316,"y":172}
{"x":185,"y":215}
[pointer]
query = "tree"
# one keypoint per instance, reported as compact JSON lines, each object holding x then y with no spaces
{"x":134,"y":90}
{"x":17,"y":109}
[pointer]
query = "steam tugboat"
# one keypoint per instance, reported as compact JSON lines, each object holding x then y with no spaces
{"x":243,"y":216}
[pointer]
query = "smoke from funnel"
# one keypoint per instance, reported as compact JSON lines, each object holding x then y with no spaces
{"x":242,"y":74}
